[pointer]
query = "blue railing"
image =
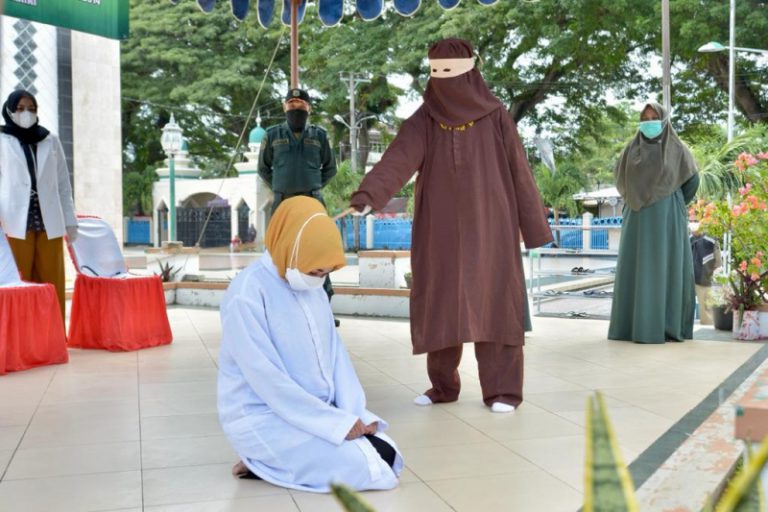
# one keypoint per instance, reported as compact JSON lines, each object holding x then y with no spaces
{"x":392,"y":234}
{"x":396,"y":233}
{"x":573,"y":238}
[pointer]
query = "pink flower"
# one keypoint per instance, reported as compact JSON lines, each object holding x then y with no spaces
{"x":743,"y":266}
{"x":755,"y":276}
{"x":759,"y":254}
{"x":756,"y":262}
{"x":763,"y":155}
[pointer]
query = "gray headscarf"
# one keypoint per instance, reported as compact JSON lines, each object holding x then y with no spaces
{"x":652,"y":169}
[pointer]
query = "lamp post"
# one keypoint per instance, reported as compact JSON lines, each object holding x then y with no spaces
{"x":171,"y":141}
{"x":714,"y":46}
{"x":353,"y":127}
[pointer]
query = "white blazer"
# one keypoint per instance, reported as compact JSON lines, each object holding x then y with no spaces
{"x":53,"y":188}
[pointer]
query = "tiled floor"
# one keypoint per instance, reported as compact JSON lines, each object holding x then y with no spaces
{"x":138,"y":431}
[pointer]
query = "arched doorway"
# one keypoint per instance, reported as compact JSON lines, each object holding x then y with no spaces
{"x":192,"y":216}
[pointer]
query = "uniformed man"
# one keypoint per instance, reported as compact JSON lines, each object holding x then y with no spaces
{"x":706,"y":259}
{"x":296,"y":158}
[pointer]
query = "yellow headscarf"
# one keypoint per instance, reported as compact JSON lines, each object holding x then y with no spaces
{"x":320,"y":242}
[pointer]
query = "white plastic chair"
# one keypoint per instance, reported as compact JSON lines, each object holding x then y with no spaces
{"x":95,"y":251}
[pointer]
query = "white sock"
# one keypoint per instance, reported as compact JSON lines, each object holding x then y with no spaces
{"x":502,"y":407}
{"x":422,"y":400}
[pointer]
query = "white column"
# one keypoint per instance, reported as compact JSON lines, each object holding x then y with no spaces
{"x":233,"y":221}
{"x":98,"y":152}
{"x":586,"y":234}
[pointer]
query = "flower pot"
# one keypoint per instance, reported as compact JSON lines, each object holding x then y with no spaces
{"x":408,"y":280}
{"x":723,"y":321}
{"x":749,"y":327}
{"x":763,"y":314}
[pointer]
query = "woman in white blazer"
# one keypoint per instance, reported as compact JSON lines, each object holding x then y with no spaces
{"x":36,"y":207}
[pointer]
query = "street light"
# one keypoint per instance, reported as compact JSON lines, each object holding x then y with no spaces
{"x":353,"y":135}
{"x":171,"y":141}
{"x":714,"y":47}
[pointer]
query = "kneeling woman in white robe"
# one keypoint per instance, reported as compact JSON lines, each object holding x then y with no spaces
{"x":289,"y":399}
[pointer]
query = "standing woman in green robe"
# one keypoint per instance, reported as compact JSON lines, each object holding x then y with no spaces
{"x":654,"y":293}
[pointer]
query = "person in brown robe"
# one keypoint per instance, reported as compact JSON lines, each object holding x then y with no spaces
{"x":475,"y":196}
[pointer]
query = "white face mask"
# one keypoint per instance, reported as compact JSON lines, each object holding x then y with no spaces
{"x":298,"y":280}
{"x":301,"y":282}
{"x":25,"y":119}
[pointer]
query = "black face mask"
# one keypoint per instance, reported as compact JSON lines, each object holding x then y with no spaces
{"x":297,"y":119}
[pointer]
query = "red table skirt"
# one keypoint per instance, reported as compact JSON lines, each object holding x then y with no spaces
{"x":31,"y":328}
{"x":118,"y":314}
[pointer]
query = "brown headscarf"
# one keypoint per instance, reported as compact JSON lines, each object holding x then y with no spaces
{"x":652,"y":169}
{"x":320,"y":242}
{"x":460,"y":99}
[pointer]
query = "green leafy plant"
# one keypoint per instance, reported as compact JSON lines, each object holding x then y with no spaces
{"x":607,"y":484}
{"x":746,"y":219}
{"x":167,"y":272}
{"x":745,"y":492}
{"x":349,"y":499}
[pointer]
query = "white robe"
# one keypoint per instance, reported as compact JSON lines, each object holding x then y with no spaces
{"x":287,"y":391}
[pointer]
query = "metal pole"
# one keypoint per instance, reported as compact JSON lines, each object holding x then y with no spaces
{"x":172,"y":207}
{"x":294,"y":44}
{"x":731,"y":70}
{"x":727,"y":242}
{"x":666,"y":80}
{"x":352,"y":122}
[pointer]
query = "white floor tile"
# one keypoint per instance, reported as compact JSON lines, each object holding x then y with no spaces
{"x":201,"y":483}
{"x":104,"y":491}
{"x":185,"y":425}
{"x":187,"y":451}
{"x":74,"y":460}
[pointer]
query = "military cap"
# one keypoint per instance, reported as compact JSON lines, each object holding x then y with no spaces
{"x":297,"y":94}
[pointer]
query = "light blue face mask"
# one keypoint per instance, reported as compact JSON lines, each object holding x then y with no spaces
{"x":651,"y":129}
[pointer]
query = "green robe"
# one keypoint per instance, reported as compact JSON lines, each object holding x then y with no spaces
{"x":654,"y":296}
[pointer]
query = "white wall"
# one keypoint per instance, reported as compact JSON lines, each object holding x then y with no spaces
{"x":96,"y":124}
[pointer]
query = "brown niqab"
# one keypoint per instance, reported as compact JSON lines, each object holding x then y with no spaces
{"x":652,"y":169}
{"x":458,"y":100}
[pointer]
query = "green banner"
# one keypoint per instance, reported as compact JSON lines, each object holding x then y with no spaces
{"x":107,"y":18}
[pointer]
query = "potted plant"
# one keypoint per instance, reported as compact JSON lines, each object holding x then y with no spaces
{"x":408,"y":279}
{"x":747,"y":298}
{"x":746,"y":219}
{"x":719,"y":301}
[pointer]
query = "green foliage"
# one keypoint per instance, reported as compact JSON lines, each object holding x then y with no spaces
{"x":607,"y":484}
{"x":137,"y":191}
{"x":745,"y":492}
{"x":205,"y":69}
{"x":339,"y":190}
{"x":349,"y":499}
{"x":167,"y":272}
{"x":558,"y":187}
{"x":716,"y":158}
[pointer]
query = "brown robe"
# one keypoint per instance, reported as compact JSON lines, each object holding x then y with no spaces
{"x":475,"y":196}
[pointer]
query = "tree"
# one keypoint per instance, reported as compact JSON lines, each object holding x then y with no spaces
{"x":206,"y":70}
{"x":557,"y":188}
{"x":701,"y":80}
